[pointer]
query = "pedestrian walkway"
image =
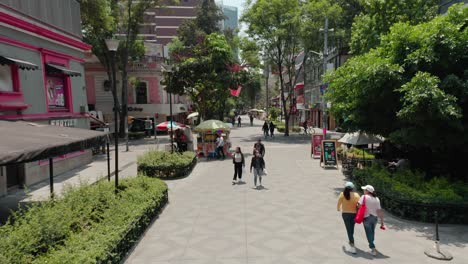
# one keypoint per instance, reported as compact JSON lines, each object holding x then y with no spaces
{"x":293,"y":219}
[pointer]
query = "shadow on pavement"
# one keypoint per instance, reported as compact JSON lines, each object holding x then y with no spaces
{"x":363,"y":254}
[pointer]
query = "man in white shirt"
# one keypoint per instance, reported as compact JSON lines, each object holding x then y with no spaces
{"x":219,"y":147}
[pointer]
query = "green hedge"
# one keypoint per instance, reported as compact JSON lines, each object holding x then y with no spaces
{"x":280,"y":126}
{"x":409,"y":195}
{"x":90,"y":224}
{"x":163,"y":164}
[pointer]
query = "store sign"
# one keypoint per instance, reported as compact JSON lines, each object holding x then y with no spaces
{"x":329,"y":156}
{"x":64,"y":122}
{"x":317,"y":145}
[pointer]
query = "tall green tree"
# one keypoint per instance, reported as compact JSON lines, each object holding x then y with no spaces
{"x":378,"y":16}
{"x":103,"y":19}
{"x":202,"y":72}
{"x":275,"y":26}
{"x":413,"y":90}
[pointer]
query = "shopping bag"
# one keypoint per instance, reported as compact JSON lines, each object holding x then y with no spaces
{"x":361,"y":212}
{"x":264,"y":172}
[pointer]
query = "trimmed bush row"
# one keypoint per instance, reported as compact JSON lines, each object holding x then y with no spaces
{"x":280,"y":126}
{"x":165,"y":165}
{"x":90,"y":224}
{"x":409,"y":195}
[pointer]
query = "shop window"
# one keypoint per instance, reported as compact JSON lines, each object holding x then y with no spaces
{"x":141,"y":93}
{"x":7,"y":82}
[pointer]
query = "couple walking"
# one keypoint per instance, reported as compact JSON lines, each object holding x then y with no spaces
{"x":268,"y":128}
{"x":349,"y":202}
{"x":257,"y":164}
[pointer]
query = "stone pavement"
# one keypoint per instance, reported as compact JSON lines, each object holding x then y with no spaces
{"x":293,"y":219}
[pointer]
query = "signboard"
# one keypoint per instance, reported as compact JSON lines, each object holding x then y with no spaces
{"x":317,"y":145}
{"x":55,"y":92}
{"x":329,"y":153}
{"x":64,"y":122}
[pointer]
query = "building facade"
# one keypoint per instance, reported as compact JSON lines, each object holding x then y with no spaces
{"x":42,"y":77}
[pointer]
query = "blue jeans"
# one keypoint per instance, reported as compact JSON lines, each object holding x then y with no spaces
{"x":348,"y":219}
{"x":369,"y":226}
{"x":257,"y":172}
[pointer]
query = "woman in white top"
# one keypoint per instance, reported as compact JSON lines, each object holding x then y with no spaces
{"x":373,"y":212}
{"x":239,"y":163}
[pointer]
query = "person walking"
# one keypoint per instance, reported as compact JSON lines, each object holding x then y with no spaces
{"x":259,"y":147}
{"x":219,"y":147}
{"x":347,"y":204}
{"x":265,"y":129}
{"x":258,"y":166}
{"x":272,"y":128}
{"x":373,"y":212}
{"x":239,"y":119}
{"x":239,"y":164}
{"x":304,"y":125}
{"x":251,"y":119}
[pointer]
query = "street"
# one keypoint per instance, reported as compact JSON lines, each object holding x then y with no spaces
{"x":292,"y":220}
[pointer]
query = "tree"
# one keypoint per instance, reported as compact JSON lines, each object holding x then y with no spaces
{"x":378,"y":16}
{"x":275,"y":26}
{"x":413,"y":90}
{"x":202,"y":72}
{"x":103,"y":19}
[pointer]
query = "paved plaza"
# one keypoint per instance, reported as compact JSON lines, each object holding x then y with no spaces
{"x":293,"y":219}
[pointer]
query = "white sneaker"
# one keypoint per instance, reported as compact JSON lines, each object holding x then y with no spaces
{"x":374,"y":252}
{"x":352,"y":249}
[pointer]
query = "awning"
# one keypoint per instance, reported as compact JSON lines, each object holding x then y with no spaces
{"x":26,"y":142}
{"x":24,"y":65}
{"x":52,"y":68}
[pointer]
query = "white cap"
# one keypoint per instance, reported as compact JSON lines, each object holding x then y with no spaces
{"x":349,"y":185}
{"x":368,"y":188}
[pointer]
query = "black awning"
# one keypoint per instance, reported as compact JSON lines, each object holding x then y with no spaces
{"x":26,"y":142}
{"x":24,"y":65}
{"x":52,"y":68}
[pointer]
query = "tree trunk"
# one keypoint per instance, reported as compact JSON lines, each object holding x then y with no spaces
{"x":123,"y":115}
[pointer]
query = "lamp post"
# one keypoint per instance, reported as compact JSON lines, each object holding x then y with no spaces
{"x":112,"y":45}
{"x":325,"y":57}
{"x":168,"y":69}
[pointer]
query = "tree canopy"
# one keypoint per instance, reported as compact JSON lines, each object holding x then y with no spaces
{"x":411,"y":89}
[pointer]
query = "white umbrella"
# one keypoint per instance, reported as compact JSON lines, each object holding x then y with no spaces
{"x":192,"y":115}
{"x":360,"y":138}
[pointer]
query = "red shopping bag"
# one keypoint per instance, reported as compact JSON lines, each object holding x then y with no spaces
{"x":361,"y":212}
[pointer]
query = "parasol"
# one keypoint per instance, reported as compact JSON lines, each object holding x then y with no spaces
{"x":212,"y":125}
{"x":167,"y":125}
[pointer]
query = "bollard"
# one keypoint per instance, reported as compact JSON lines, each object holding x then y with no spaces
{"x":436,"y":252}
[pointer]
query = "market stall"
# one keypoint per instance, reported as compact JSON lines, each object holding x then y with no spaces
{"x":207,"y":133}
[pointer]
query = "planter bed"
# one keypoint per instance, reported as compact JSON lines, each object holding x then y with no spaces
{"x":166,"y":165}
{"x":90,"y":224}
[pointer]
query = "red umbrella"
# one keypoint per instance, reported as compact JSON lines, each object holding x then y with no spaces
{"x":167,"y":125}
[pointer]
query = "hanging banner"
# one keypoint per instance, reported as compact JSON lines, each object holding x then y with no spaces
{"x":316,"y":145}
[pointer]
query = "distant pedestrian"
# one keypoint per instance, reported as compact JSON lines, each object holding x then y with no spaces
{"x":304,"y":125}
{"x":260,"y":148}
{"x":373,"y":212}
{"x":265,"y":129}
{"x":347,"y":204}
{"x":239,"y":119}
{"x":258,"y":166}
{"x":251,"y":119}
{"x":272,"y":129}
{"x":233,"y":121}
{"x":239,"y":164}
{"x":220,"y":147}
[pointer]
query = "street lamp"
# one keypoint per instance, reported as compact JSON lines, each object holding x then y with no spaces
{"x":112,"y":45}
{"x":168,"y":69}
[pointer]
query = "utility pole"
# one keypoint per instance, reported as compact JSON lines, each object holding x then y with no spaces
{"x":267,"y":74}
{"x":325,"y":59}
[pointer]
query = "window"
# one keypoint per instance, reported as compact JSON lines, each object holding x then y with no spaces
{"x":141,"y":93}
{"x":6,"y":79}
